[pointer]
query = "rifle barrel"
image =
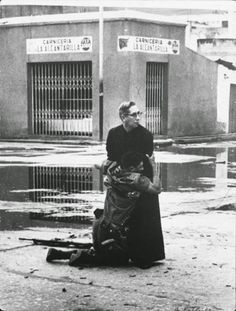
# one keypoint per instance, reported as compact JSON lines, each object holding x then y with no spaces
{"x":58,"y":243}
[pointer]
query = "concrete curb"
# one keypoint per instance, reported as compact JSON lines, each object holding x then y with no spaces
{"x":52,"y":141}
{"x":161,"y":142}
{"x":203,"y":139}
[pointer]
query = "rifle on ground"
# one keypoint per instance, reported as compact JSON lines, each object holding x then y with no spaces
{"x":58,"y":243}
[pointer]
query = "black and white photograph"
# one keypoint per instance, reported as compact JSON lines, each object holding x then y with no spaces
{"x":117,"y":155}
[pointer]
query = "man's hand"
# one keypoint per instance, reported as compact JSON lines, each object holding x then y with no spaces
{"x":151,"y":159}
{"x":104,"y":166}
{"x":116,"y":170}
{"x":156,"y":167}
{"x":133,"y":195}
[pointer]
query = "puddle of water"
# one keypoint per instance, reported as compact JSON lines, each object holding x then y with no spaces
{"x":62,"y":194}
{"x":186,"y":176}
{"x":21,"y":220}
{"x":219,"y":170}
{"x":47,"y":184}
{"x":73,"y":188}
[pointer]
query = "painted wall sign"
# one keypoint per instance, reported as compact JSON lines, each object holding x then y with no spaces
{"x":148,"y":45}
{"x":59,"y":45}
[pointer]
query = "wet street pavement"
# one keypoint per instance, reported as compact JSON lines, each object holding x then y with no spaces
{"x":51,"y":190}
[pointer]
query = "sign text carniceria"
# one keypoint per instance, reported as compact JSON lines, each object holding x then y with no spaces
{"x":59,"y":45}
{"x":148,"y":45}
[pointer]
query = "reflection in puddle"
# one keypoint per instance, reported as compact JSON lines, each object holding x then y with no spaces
{"x":186,"y":176}
{"x":48,"y":184}
{"x":75,"y":191}
{"x":22,"y":220}
{"x":53,"y":184}
{"x":61,"y":184}
{"x":220,"y":172}
{"x":65,"y":194}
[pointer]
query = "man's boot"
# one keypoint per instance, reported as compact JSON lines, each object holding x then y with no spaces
{"x":84,"y":257}
{"x":55,"y":254}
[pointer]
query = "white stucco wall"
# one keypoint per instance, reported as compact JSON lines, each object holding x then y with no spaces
{"x":232,"y":24}
{"x":225,"y":78}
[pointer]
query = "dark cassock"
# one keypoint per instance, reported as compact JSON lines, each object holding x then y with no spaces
{"x":145,"y":234}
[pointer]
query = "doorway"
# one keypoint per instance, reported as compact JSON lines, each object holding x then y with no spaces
{"x":156,"y":97}
{"x":61,"y":98}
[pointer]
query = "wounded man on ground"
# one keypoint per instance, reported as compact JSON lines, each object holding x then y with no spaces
{"x":124,"y":184}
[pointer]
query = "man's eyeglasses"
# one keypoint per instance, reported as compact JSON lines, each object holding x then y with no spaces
{"x":135,"y":114}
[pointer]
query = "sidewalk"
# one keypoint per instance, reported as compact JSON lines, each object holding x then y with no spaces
{"x":203,"y":139}
{"x":159,"y":141}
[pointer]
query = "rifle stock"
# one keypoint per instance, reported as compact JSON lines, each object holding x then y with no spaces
{"x":58,"y":243}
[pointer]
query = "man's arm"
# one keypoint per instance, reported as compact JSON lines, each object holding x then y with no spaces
{"x":155,"y":186}
{"x":146,"y":142}
{"x":149,"y":145}
{"x":144,"y":184}
{"x":110,"y":147}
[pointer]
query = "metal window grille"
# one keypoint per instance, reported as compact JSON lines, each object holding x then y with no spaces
{"x":53,"y":184}
{"x":61,"y":96}
{"x":155,"y":97}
